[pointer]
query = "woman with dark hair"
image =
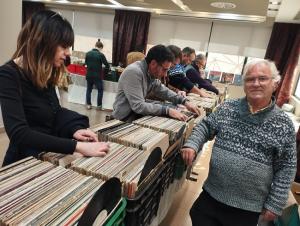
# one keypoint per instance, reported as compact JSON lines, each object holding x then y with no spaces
{"x":33,"y":118}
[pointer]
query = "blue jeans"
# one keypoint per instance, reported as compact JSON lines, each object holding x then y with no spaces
{"x":99,"y":85}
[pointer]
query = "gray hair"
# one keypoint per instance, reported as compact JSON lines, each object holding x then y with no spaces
{"x":200,"y":57}
{"x":274,"y":72}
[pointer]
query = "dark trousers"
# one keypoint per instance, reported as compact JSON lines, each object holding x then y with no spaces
{"x":99,"y":85}
{"x":206,"y":211}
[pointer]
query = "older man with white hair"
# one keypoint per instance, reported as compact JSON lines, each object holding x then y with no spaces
{"x":253,"y":159}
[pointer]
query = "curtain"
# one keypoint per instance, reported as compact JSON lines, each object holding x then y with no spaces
{"x":283,"y":49}
{"x":28,"y":8}
{"x":130,"y":30}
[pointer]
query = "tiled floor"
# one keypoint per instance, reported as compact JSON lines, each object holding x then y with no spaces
{"x":178,"y":214}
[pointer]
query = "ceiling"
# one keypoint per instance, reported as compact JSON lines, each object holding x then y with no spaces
{"x":258,"y":11}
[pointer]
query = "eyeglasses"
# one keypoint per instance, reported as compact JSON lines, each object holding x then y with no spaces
{"x":261,"y":79}
{"x":165,"y":69}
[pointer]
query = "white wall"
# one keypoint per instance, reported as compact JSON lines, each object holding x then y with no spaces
{"x":244,"y":39}
{"x":88,"y":27}
{"x":10,"y":26}
{"x":179,"y":32}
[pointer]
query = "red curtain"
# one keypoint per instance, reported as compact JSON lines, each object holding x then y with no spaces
{"x":130,"y":30}
{"x":284,"y":49}
{"x":28,"y":8}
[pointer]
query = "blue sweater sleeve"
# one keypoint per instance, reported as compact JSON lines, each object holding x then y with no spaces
{"x":204,"y":131}
{"x":284,"y":173}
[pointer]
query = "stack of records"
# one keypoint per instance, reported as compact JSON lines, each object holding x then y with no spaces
{"x":105,"y":125}
{"x":132,"y":135}
{"x":222,"y":91}
{"x":38,"y":193}
{"x":125,"y":163}
{"x":172,"y":127}
{"x":207,"y":103}
{"x":58,"y":159}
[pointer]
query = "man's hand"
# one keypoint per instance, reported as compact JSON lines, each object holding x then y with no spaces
{"x":267,"y":215}
{"x":192,"y":107}
{"x":86,"y":135}
{"x":188,"y":155}
{"x":173,"y":113}
{"x":181,"y":93}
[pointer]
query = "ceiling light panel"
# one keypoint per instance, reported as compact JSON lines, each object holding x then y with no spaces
{"x":243,"y":7}
{"x":151,"y":4}
{"x":223,"y":5}
{"x":182,"y":6}
{"x":115,"y":2}
{"x":92,"y":1}
{"x":274,"y":2}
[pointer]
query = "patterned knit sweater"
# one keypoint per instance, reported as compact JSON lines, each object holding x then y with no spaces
{"x":254,"y":155}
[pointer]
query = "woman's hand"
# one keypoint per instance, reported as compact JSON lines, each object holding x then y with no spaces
{"x":92,"y":149}
{"x":86,"y":135}
{"x":181,"y":93}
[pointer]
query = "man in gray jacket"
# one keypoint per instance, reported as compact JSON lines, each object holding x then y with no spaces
{"x":143,"y":77}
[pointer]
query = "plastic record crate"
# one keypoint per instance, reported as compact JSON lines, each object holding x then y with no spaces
{"x":117,"y":218}
{"x":168,"y":175}
{"x":180,"y":167}
{"x":143,"y":208}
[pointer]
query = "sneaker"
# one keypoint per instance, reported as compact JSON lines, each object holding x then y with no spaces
{"x":99,"y":108}
{"x":88,"y":107}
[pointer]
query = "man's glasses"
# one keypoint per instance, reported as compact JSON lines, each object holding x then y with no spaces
{"x":165,"y":69}
{"x":260,"y":79}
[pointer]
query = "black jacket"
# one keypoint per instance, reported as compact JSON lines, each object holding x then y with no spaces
{"x":33,"y":118}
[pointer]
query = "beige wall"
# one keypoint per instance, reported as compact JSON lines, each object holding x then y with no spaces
{"x":10,"y":25}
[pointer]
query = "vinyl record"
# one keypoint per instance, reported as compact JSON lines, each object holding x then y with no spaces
{"x":106,"y":198}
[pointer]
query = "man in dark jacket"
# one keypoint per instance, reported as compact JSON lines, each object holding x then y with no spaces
{"x":193,"y":72}
{"x":94,"y":60}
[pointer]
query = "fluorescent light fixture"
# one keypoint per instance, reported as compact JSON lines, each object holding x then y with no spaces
{"x":223,"y":5}
{"x":115,"y":2}
{"x":274,"y":3}
{"x":175,"y":13}
{"x":181,"y":5}
{"x":213,"y":16}
{"x":62,"y":1}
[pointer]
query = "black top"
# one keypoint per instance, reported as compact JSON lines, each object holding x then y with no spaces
{"x":193,"y":74}
{"x":33,"y":117}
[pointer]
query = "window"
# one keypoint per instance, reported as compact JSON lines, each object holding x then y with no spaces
{"x":296,"y":81}
{"x":297,"y":90}
{"x":225,"y":63}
